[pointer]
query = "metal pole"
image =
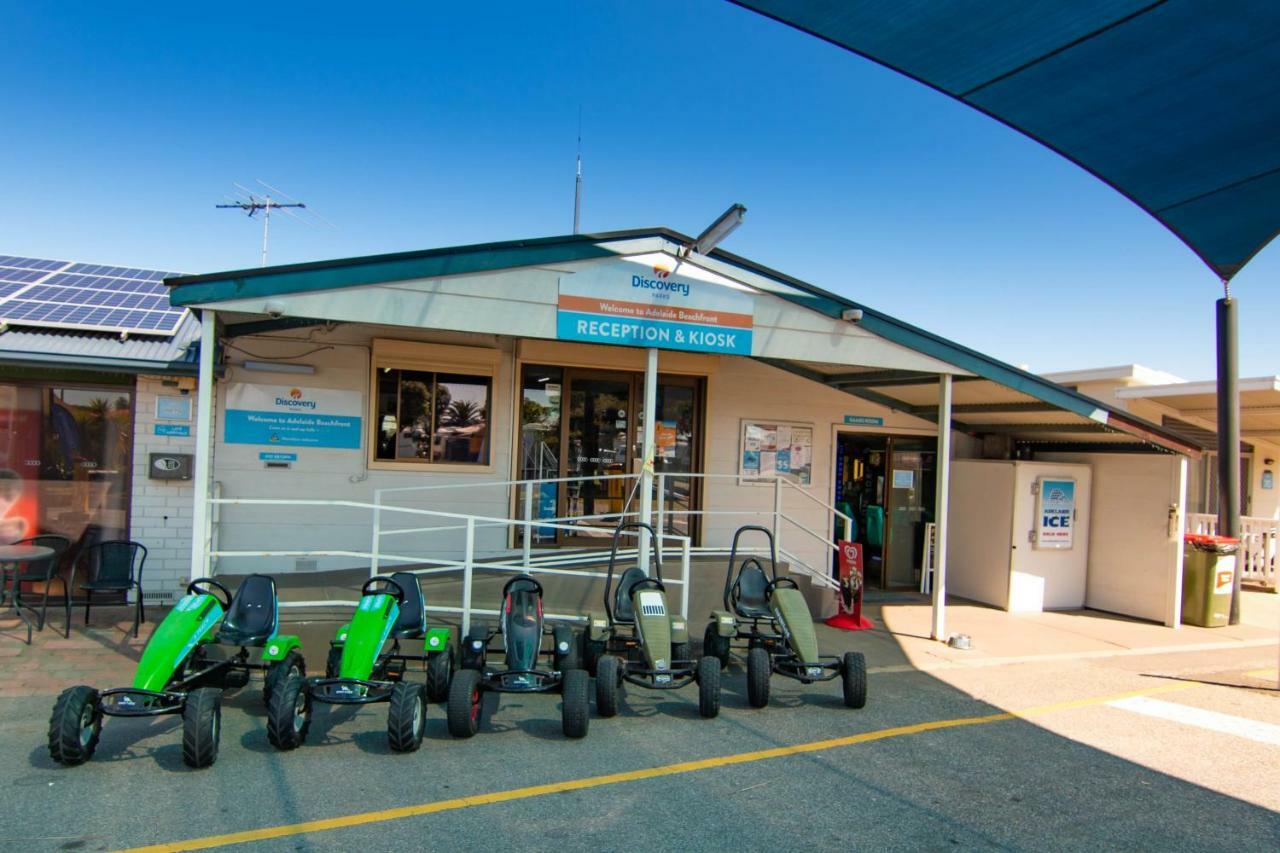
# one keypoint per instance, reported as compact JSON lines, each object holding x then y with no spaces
{"x":646,"y":442}
{"x":266,"y":226}
{"x":1229,"y":436}
{"x":777,"y":516}
{"x":377,"y":533}
{"x":468,"y":561}
{"x":528,"y":526}
{"x":940,"y":509}
{"x":204,"y":446}
{"x":660,"y":525}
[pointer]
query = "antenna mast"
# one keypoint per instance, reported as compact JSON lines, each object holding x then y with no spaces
{"x":577,"y":183}
{"x":260,"y":203}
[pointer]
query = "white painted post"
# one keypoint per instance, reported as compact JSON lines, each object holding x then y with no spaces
{"x":1178,"y":527}
{"x":685,"y":560}
{"x":528,"y":526}
{"x":777,"y":514}
{"x":468,"y":561}
{"x":940,"y":509}
{"x":646,"y":443}
{"x":200,"y":526}
{"x":660,"y":523}
{"x":377,"y":533}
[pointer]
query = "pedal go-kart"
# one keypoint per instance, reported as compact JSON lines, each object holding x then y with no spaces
{"x":768,"y":615}
{"x":176,"y":674}
{"x":523,"y":632}
{"x":360,"y":672}
{"x":637,"y":641}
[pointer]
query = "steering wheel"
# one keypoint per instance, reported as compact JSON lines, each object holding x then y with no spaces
{"x":537,"y":587}
{"x":647,"y":583}
{"x":209,"y":586}
{"x":787,"y":583}
{"x":373,"y":586}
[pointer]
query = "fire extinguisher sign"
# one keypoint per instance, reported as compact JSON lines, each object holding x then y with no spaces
{"x":1056,"y":513}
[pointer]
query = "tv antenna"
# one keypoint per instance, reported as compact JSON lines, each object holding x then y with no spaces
{"x":253,"y":203}
{"x":577,"y":184}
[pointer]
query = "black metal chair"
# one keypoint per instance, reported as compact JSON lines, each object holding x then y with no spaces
{"x":113,"y":566}
{"x":46,"y":572}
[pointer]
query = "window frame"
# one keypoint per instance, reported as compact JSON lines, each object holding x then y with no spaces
{"x":436,"y":359}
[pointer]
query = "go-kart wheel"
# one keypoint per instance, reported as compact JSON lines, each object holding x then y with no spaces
{"x":75,"y":726}
{"x":592,"y":651}
{"x":681,"y":652}
{"x":465,"y":703}
{"x":565,"y":655}
{"x":439,"y":673}
{"x":708,"y":686}
{"x":281,"y":671}
{"x":853,"y":671}
{"x":575,"y":703}
{"x":608,"y":680}
{"x":289,"y":714}
{"x":407,"y":716}
{"x":201,"y":727}
{"x":715,"y":645}
{"x":333,"y":662}
{"x":758,"y":672}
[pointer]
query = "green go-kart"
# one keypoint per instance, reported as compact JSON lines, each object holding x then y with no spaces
{"x":177,"y":675}
{"x":769,"y":616}
{"x":523,"y":632}
{"x":637,"y":641}
{"x":362,"y":670}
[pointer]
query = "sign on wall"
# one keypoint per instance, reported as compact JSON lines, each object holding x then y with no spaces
{"x":1055,"y":513}
{"x":292,"y":416}
{"x":774,"y":448}
{"x":631,"y":304}
{"x":169,"y":408}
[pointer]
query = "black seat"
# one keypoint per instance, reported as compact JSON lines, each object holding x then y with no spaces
{"x":622,"y":609}
{"x":522,"y":597}
{"x":412,"y":621}
{"x":749,"y":591}
{"x":252,"y":618}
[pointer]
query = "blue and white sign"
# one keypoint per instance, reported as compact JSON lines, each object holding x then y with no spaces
{"x":169,"y":408}
{"x":1056,"y":513}
{"x":292,"y":416}
{"x":667,"y":306}
{"x":182,"y":430}
{"x":267,"y":456}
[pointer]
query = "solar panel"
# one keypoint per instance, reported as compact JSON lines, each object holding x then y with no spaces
{"x":88,"y":297}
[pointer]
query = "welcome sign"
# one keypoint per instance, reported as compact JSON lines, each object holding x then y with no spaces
{"x":292,"y":416}
{"x":631,"y":304}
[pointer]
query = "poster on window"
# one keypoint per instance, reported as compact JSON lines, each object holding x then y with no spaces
{"x":776,"y":449}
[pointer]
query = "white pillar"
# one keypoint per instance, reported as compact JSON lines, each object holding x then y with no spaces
{"x":646,"y":444}
{"x":939,"y":631}
{"x":204,"y":446}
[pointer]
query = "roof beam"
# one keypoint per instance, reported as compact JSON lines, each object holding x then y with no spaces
{"x":892,"y":403}
{"x":988,"y":409}
{"x":1025,"y":429}
{"x":874,"y":378}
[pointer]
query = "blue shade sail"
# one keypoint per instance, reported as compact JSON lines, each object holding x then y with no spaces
{"x":1174,"y":103}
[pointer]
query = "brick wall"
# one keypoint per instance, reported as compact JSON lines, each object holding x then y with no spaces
{"x":161,"y":512}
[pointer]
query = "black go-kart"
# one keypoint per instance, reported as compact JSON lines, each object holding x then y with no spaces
{"x":637,"y":641}
{"x":522,"y":631}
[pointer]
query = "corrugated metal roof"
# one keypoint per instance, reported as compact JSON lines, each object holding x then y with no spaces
{"x":179,"y":353}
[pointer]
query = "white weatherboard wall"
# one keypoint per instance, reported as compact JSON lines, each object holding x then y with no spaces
{"x":160,"y":510}
{"x":990,"y":557}
{"x":1135,"y":552}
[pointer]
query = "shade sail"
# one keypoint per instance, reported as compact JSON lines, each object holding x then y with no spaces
{"x":1174,"y":103}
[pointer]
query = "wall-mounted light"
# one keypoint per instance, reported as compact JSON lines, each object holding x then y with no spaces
{"x":274,"y":309}
{"x":851,"y":315}
{"x":277,"y":367}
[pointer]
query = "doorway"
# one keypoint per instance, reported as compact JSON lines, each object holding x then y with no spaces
{"x":887,"y":484}
{"x":587,"y":424}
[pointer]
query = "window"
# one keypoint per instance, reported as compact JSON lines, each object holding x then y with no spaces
{"x":429,"y":416}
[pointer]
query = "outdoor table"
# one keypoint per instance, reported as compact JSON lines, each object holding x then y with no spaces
{"x":12,"y":560}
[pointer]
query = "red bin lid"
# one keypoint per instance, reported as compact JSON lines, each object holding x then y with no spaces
{"x":1206,"y":539}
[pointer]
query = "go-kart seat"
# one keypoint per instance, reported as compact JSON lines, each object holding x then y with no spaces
{"x":251,"y":620}
{"x":521,"y":597}
{"x":749,"y":591}
{"x":623,"y":611}
{"x":412,"y":621}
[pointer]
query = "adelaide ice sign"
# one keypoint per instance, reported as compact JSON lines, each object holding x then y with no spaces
{"x":631,"y":304}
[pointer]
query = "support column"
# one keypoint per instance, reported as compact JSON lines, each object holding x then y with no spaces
{"x":1229,"y":436}
{"x":646,"y":444}
{"x":939,"y":631}
{"x":205,"y":393}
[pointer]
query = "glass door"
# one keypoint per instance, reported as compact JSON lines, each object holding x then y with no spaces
{"x":598,"y":422}
{"x":912,"y":479}
{"x":677,"y":437}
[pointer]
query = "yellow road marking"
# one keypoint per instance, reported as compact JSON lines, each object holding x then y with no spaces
{"x":362,"y":818}
{"x":1264,"y":673}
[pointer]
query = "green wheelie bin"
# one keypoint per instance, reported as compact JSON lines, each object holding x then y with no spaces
{"x":1208,"y":572}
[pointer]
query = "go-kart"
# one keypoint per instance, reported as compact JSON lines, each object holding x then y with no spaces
{"x":636,"y":640}
{"x":522,"y":630}
{"x":360,"y":672}
{"x":769,"y":616}
{"x":176,"y":674}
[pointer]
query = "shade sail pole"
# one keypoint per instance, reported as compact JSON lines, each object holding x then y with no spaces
{"x":939,"y":631}
{"x":201,"y":510}
{"x":1229,"y":435}
{"x":647,"y":453}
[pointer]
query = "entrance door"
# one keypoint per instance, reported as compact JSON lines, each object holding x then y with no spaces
{"x":676,"y":432}
{"x":911,"y":495}
{"x":599,"y":423}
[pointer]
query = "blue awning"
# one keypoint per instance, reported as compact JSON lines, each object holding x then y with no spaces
{"x":1174,"y":103}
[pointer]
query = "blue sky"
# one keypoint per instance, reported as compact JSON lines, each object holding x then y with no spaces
{"x":415,"y":125}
